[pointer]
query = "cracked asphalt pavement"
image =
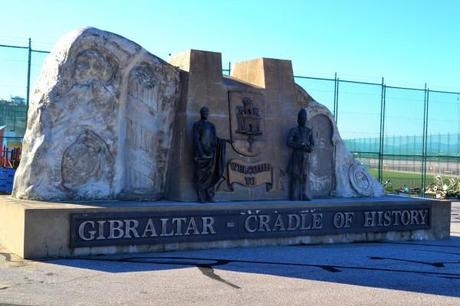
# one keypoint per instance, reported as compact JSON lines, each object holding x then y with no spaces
{"x":400,"y":273}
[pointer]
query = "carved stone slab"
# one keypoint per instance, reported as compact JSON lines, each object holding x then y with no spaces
{"x":322,"y":157}
{"x":100,"y":121}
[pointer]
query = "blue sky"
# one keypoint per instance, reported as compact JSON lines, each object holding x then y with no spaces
{"x":408,"y":42}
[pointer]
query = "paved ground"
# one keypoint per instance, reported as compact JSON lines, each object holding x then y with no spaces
{"x":409,"y":273}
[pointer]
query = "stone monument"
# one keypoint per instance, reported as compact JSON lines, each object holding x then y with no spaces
{"x":100,"y":122}
{"x":118,"y":139}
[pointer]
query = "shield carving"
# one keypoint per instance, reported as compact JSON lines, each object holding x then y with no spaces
{"x":247,"y":122}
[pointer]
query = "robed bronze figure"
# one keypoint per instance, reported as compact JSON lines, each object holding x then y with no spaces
{"x":208,"y":156}
{"x":300,"y":139}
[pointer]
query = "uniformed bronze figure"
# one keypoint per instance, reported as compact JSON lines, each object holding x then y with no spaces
{"x":208,"y":155}
{"x":300,"y":139}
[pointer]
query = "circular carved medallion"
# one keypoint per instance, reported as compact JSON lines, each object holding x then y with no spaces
{"x":360,"y":179}
{"x":82,"y":160}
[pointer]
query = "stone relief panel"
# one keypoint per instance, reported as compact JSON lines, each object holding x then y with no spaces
{"x":360,"y":179}
{"x":149,"y":113}
{"x":247,"y":122}
{"x":322,"y":158}
{"x":76,"y":144}
{"x":86,"y":161}
{"x":91,"y":65}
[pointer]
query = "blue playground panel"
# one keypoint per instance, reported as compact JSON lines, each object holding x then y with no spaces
{"x":6,"y":179}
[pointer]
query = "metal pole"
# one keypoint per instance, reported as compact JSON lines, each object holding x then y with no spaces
{"x":336,"y":113}
{"x":28,"y":79}
{"x":335,"y":96}
{"x":382,"y":131}
{"x":229,"y":68}
{"x":424,"y":140}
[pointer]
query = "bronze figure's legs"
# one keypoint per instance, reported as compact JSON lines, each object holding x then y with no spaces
{"x":298,"y":188}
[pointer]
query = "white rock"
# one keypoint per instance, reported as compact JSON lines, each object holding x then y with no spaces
{"x":100,"y":121}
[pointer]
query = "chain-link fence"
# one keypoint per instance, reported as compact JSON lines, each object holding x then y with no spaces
{"x":405,"y":136}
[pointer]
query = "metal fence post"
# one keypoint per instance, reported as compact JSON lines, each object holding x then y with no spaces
{"x":336,"y":97}
{"x":425,"y":139}
{"x":382,"y":131}
{"x":29,"y":59}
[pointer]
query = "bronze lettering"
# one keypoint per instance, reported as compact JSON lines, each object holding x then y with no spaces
{"x":339,"y":220}
{"x":100,"y":235}
{"x":291,"y":218}
{"x":208,"y":223}
{"x":380,"y":218}
{"x":164,"y":228}
{"x":396,"y":219}
{"x":131,"y":228}
{"x":405,"y":217}
{"x":150,"y":228}
{"x":414,"y":217}
{"x":279,"y":224}
{"x":115,"y":226}
{"x":247,"y":225}
{"x":317,"y":221}
{"x":369,"y":219}
{"x":305,"y":225}
{"x":263,"y":223}
{"x":192,"y":228}
{"x":343,"y":220}
{"x":423,"y":214}
{"x":387,"y":218}
{"x":81,"y":230}
{"x":177,"y":223}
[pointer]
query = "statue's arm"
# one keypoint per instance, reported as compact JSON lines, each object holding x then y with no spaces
{"x":291,"y":143}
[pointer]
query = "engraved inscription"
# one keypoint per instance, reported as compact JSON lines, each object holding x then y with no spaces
{"x":250,"y":175}
{"x":235,"y":223}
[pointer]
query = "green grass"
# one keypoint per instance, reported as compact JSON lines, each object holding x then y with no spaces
{"x":398,"y":178}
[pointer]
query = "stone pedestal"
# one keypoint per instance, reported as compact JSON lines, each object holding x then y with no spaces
{"x":48,"y":229}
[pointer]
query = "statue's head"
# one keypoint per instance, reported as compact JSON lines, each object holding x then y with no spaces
{"x":204,"y":112}
{"x":302,"y":117}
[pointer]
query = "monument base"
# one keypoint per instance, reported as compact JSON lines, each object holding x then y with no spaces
{"x":33,"y":229}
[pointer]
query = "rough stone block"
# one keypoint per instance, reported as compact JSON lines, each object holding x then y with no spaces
{"x":100,"y":121}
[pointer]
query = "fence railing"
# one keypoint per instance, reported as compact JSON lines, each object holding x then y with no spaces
{"x":374,"y":118}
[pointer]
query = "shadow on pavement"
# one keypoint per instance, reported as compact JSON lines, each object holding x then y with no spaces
{"x":427,"y":266}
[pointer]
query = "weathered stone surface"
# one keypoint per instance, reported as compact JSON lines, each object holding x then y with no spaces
{"x":351,"y":179}
{"x":100,"y":121}
{"x":102,"y":115}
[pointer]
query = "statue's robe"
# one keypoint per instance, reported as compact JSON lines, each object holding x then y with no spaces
{"x":209,"y":158}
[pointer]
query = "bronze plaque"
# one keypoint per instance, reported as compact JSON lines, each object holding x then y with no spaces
{"x":247,"y":122}
{"x":250,"y":175}
{"x":322,"y":157}
{"x":198,"y":225}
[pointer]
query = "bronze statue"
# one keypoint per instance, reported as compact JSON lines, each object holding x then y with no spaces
{"x":300,"y":139}
{"x":208,"y":156}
